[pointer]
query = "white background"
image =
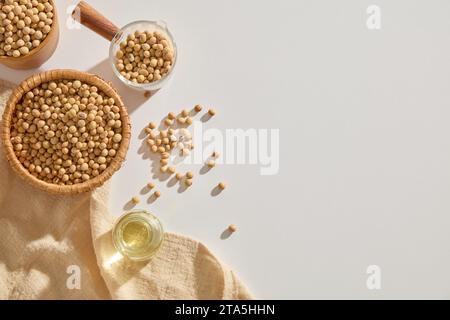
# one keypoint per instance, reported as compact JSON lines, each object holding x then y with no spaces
{"x":364,"y":138}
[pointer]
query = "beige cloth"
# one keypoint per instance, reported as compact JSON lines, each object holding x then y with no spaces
{"x":43,"y":236}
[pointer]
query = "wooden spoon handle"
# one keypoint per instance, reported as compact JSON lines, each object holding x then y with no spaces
{"x":94,"y":20}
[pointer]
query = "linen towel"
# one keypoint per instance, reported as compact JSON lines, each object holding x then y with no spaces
{"x":60,"y":247}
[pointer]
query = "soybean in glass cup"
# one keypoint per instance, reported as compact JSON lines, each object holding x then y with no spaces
{"x":94,"y":20}
{"x":142,"y":25}
{"x":138,"y":235}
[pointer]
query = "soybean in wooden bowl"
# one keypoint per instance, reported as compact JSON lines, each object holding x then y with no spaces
{"x":65,"y":131}
{"x":29,"y":32}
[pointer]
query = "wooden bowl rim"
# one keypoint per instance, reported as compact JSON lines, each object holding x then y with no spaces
{"x":55,"y":28}
{"x":64,"y":74}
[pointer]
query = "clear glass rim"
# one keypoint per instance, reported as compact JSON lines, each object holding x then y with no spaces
{"x":154,"y":84}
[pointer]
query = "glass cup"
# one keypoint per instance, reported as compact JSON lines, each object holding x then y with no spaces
{"x":94,"y":20}
{"x":138,"y":235}
{"x":132,"y":27}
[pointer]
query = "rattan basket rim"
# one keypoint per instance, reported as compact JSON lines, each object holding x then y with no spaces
{"x":64,"y":74}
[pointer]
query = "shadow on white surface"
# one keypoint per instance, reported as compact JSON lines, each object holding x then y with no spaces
{"x":226,"y":234}
{"x":216,"y":191}
{"x":129,"y":205}
{"x":17,"y":76}
{"x":152,"y":198}
{"x":205,"y":117}
{"x":205,"y":169}
{"x":172,"y":182}
{"x":132,"y":99}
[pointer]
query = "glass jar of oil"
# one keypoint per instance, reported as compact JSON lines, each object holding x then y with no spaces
{"x":138,"y":234}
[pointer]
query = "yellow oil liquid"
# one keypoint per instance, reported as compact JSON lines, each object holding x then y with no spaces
{"x":138,"y":235}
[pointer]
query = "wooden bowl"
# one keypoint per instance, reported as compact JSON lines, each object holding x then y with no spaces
{"x":38,"y":55}
{"x":31,"y":83}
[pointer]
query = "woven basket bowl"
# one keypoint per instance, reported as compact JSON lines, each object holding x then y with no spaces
{"x":35,"y":81}
{"x":39,"y":55}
